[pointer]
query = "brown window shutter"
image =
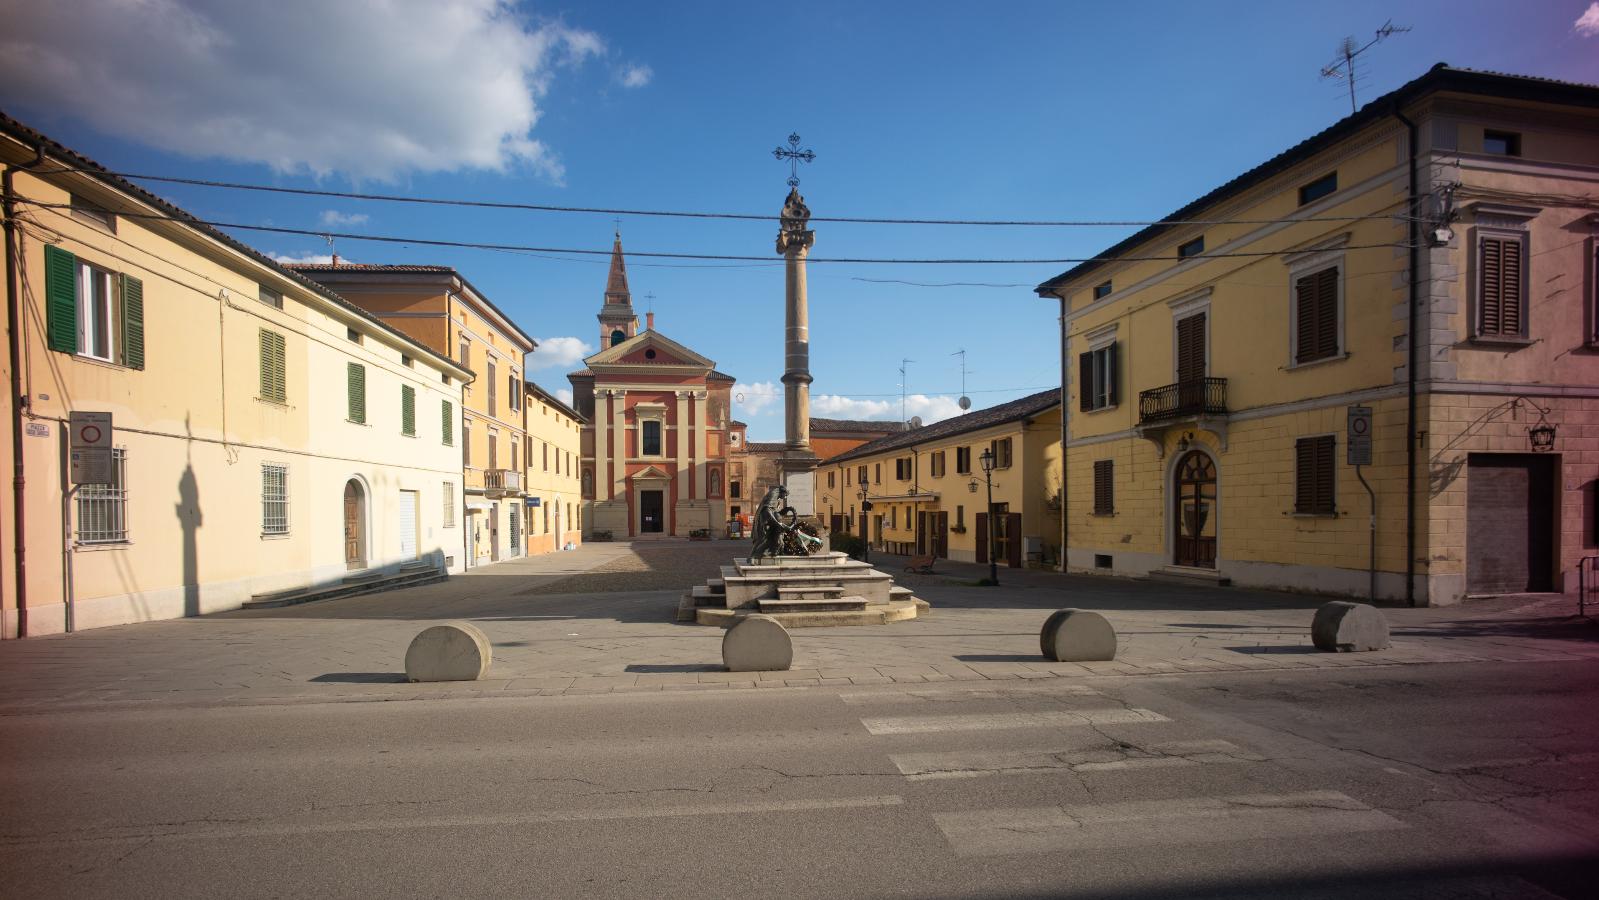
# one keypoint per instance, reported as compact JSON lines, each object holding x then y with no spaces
{"x":1110,"y":374}
{"x":1314,"y":462}
{"x":1191,"y":348}
{"x":1490,"y":301}
{"x":1317,"y":309}
{"x":1085,"y":382}
{"x":1305,"y":333}
{"x":1304,"y":476}
{"x":1104,"y":490}
{"x":981,"y":533}
{"x":1324,"y":475}
{"x":1511,"y":303}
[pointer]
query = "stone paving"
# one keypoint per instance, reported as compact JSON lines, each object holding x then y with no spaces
{"x":600,"y":620}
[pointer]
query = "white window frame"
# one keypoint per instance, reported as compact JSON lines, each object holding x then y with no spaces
{"x":114,"y":496}
{"x":1329,"y":254}
{"x":449,"y":504}
{"x":88,"y":275}
{"x":1503,"y":223}
{"x":1185,"y":307}
{"x":274,"y":526}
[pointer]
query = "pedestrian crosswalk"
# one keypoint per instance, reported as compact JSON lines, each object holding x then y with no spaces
{"x":1076,"y":732}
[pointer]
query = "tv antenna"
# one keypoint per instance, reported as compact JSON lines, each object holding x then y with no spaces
{"x":902,"y":379}
{"x":1343,"y":67}
{"x":965,"y":401}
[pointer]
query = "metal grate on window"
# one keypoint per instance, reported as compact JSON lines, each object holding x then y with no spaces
{"x":103,"y":508}
{"x":274,"y":499}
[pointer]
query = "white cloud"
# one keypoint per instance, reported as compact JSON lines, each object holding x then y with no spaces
{"x":634,"y":75}
{"x":373,"y":89}
{"x":334,"y":217}
{"x":756,"y":396}
{"x":564,"y":395}
{"x":1587,"y":24}
{"x":304,"y":259}
{"x":931,"y":409}
{"x":558,"y":351}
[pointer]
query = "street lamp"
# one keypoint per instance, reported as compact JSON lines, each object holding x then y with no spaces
{"x":866,"y":525}
{"x":987,"y":462}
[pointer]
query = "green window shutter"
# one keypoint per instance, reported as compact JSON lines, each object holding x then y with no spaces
{"x":357,"y":378}
{"x":274,"y":381}
{"x":61,"y":298}
{"x":407,"y":410}
{"x":132,"y":322}
{"x":449,"y":423}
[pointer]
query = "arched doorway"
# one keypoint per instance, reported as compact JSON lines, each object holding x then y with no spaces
{"x":354,"y":525}
{"x":1194,"y":510}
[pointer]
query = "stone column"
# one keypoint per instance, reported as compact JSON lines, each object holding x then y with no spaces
{"x":619,"y":452}
{"x":701,"y":489}
{"x":602,"y":446}
{"x":794,"y":242}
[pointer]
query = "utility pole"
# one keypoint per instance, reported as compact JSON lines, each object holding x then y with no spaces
{"x":903,"y":363}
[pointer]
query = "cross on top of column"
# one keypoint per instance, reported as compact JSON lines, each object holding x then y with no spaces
{"x":795,"y":156}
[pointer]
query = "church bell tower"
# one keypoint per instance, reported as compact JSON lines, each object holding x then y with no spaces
{"x":617,"y":320}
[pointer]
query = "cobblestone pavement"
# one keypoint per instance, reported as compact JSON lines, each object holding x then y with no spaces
{"x":600,"y":619}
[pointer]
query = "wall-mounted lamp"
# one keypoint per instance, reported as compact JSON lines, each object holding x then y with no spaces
{"x":1184,"y":442}
{"x":1542,"y":436}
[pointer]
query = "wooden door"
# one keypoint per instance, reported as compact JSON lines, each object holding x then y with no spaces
{"x":652,"y":512}
{"x":980,"y":532}
{"x":941,"y":535}
{"x":921,"y":533}
{"x":1510,"y":523}
{"x":1194,"y":511}
{"x":835,"y":524}
{"x":354,"y":530}
{"x":1013,"y":540}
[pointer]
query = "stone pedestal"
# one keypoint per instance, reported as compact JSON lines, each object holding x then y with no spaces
{"x":824,"y":589}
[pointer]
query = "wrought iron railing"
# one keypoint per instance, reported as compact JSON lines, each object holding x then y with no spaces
{"x":1587,"y":584}
{"x":1199,"y":397}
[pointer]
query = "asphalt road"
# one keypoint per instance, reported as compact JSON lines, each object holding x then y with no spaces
{"x":1421,"y":781}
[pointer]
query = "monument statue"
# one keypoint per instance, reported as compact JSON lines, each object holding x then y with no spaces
{"x":772,"y":521}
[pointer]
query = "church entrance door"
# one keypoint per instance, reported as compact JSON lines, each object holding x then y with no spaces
{"x":652,"y":512}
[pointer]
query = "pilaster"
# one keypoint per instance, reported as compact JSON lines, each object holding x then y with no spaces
{"x":697,"y":445}
{"x":681,"y":442}
{"x":619,"y":445}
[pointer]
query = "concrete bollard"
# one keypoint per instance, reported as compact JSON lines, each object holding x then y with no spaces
{"x":458,"y":651}
{"x":757,"y":643}
{"x":1344,"y":627}
{"x":1077,"y":635}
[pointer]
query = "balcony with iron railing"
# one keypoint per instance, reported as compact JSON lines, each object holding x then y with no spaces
{"x":1196,"y":398}
{"x":500,"y":482}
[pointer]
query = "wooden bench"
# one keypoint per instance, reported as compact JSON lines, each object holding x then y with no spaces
{"x":922,"y":564}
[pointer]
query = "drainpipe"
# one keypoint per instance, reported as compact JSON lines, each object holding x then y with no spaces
{"x":19,"y":479}
{"x":1064,"y":431}
{"x":1410,"y":370}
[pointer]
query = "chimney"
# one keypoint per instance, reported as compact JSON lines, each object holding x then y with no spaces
{"x":649,"y":321}
{"x":335,"y":263}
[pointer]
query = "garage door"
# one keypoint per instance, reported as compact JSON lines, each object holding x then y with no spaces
{"x":408,"y":524}
{"x":1510,"y":523}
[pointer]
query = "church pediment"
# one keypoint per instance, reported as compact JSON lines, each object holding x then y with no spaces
{"x":651,"y":473}
{"x":649,"y":348}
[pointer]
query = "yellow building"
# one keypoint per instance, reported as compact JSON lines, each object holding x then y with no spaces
{"x":1218,"y":358}
{"x":927,"y":488}
{"x":554,"y":490}
{"x":442,"y":310}
{"x":265,"y":434}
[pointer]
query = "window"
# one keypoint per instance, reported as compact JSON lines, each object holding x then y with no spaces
{"x":735,"y":488}
{"x":494,"y":449}
{"x":511,"y":392}
{"x":1102,"y":290}
{"x":830,"y":477}
{"x":1104,"y":487}
{"x":902,"y":469}
{"x":936,"y":464}
{"x":860,"y":475}
{"x":103,"y":508}
{"x":274,"y":499}
{"x":1501,"y":286}
{"x":893,"y":516}
{"x":407,"y":410}
{"x":1192,"y":248}
{"x":652,"y":437}
{"x":1316,"y":329}
{"x":92,"y":311}
{"x":546,"y":457}
{"x":1498,"y":143}
{"x":447,"y":422}
{"x":617,"y":337}
{"x":89,"y":211}
{"x":557,"y":462}
{"x":354,"y":336}
{"x":466,"y":354}
{"x":963,"y":460}
{"x":269,"y":296}
{"x":449,"y":504}
{"x":513,"y":457}
{"x":466,"y":443}
{"x":407,"y":361}
{"x":274,"y":381}
{"x":877,"y":473}
{"x":1096,"y":374}
{"x":960,"y":517}
{"x":1001,"y":448}
{"x":1319,"y":188}
{"x":1313,"y":476}
{"x":355,"y":387}
{"x":494,"y":409}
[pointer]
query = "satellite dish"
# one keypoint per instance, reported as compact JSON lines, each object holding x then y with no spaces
{"x":739,"y":397}
{"x":965,"y":403}
{"x":916,"y":421}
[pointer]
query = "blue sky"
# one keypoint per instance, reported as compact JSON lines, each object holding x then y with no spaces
{"x":997,"y":111}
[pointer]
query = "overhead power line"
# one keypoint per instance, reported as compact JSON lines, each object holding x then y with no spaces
{"x":610,"y":211}
{"x":475,"y":245}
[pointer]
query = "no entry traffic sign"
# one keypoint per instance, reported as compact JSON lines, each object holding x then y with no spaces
{"x":91,"y":447}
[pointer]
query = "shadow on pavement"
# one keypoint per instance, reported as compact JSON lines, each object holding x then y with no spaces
{"x":662,"y":668}
{"x":361,"y":678}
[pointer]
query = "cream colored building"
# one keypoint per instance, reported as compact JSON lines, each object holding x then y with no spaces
{"x":1216,"y":358}
{"x":266,"y":434}
{"x":554,"y":490}
{"x":929,"y":494}
{"x":439,"y":308}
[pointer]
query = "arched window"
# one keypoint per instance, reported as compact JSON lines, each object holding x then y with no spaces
{"x":617,"y":337}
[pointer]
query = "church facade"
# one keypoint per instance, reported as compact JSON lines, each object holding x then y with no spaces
{"x":654,"y":448}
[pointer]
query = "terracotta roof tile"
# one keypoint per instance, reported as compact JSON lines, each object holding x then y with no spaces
{"x":1026,"y":407}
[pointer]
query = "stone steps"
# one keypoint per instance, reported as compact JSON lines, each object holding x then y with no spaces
{"x":809,"y":591}
{"x":1190,"y":575}
{"x":370,"y":582}
{"x":813,"y":604}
